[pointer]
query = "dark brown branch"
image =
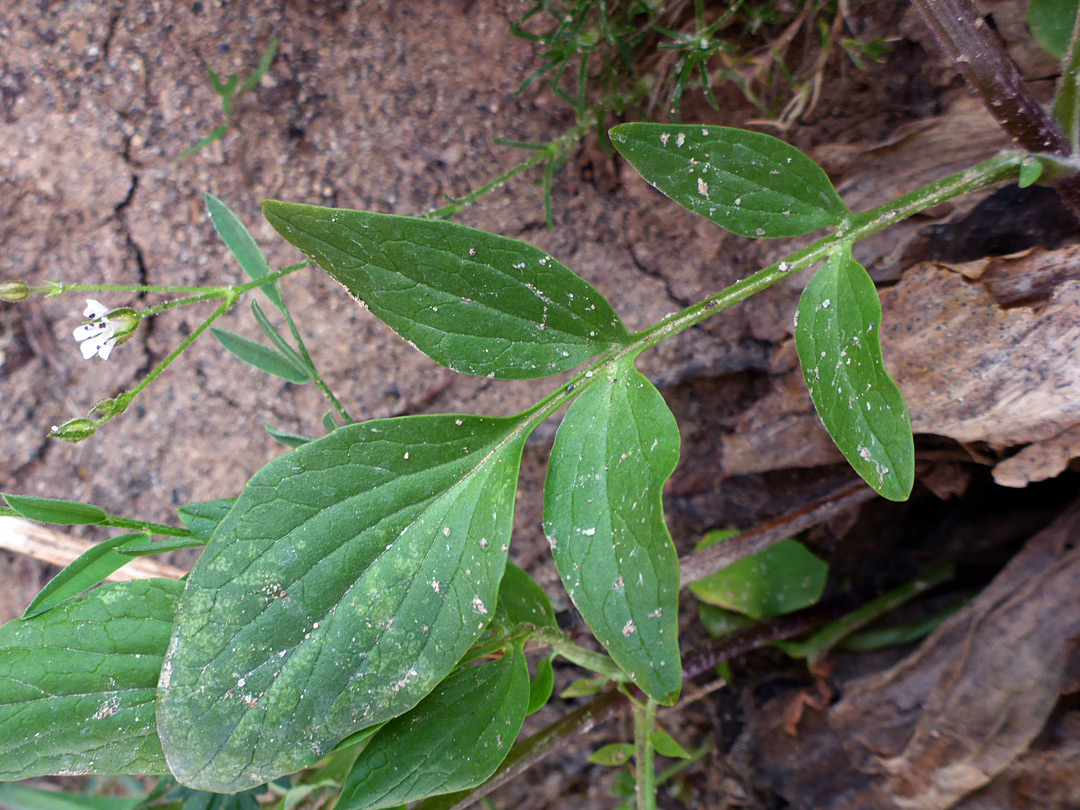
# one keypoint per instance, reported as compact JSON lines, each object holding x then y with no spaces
{"x":700,"y":564}
{"x":989,"y":71}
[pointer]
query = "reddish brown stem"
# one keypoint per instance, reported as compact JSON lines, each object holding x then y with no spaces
{"x":981,"y":59}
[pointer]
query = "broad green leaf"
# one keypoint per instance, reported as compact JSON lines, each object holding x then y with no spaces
{"x":542,"y":685}
{"x":242,"y":245}
{"x":262,"y":357}
{"x":613,"y":754}
{"x":783,"y":578}
{"x":837,"y":329}
{"x":86,"y":571}
{"x":279,"y":342}
{"x":746,"y":182}
{"x":202,"y":518}
{"x":524,"y":600}
{"x":77,"y":683}
{"x":160,"y":546}
{"x":53,"y":510}
{"x":472,"y":301}
{"x":1051,"y":22}
{"x":454,"y":739}
{"x":667,"y":746}
{"x":290,"y":440}
{"x":349,"y":578}
{"x":604,"y":520}
{"x":24,"y":797}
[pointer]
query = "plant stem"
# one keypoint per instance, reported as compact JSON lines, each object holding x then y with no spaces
{"x":594,"y":661}
{"x":315,"y":376}
{"x":128,"y":396}
{"x":700,"y":564}
{"x":644,"y":773}
{"x":1005,"y":166}
{"x":980,"y":58}
{"x":549,"y":152}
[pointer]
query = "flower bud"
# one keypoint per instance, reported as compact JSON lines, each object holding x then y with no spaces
{"x":126,"y":322}
{"x":73,"y":430}
{"x":14,"y":291}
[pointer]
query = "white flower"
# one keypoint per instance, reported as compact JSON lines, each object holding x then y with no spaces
{"x":105,"y":329}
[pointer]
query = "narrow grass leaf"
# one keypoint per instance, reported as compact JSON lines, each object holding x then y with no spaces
{"x":77,"y":683}
{"x":25,"y":797}
{"x":604,"y":520}
{"x":216,"y":134}
{"x":746,"y":182}
{"x":454,"y":739}
{"x":346,"y":582}
{"x":261,"y":357}
{"x":472,"y":301}
{"x":56,"y":511}
{"x":243,"y":247}
{"x":84,"y":572}
{"x":837,"y":328}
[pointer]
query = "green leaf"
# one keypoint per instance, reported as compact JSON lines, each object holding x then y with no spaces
{"x":783,"y":578}
{"x":837,"y":328}
{"x":347,"y":581}
{"x":86,"y":571}
{"x":666,"y":745}
{"x":604,"y":520}
{"x":262,"y":68}
{"x":262,"y":357}
{"x":329,"y":423}
{"x":24,"y":797}
{"x":279,"y":342}
{"x":524,"y":600}
{"x":719,"y":622}
{"x":202,"y":518}
{"x":53,"y":510}
{"x":202,"y":800}
{"x":542,"y":685}
{"x":454,"y":739}
{"x":290,"y":440}
{"x":160,"y":546}
{"x":614,"y":754}
{"x":746,"y":182}
{"x":77,"y":683}
{"x":216,"y":134}
{"x":472,"y":301}
{"x":1051,"y":22}
{"x":584,"y":687}
{"x":1030,"y":171}
{"x":243,"y":247}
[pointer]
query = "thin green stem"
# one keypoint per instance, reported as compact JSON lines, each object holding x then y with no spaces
{"x":126,"y":397}
{"x":179,"y":302}
{"x":150,"y":528}
{"x":588,"y":659}
{"x":644,"y":773}
{"x":549,"y":152}
{"x":315,"y":376}
{"x":203,"y":293}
